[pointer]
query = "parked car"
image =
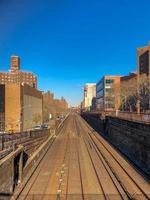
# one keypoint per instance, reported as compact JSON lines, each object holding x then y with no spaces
{"x":2,"y":133}
{"x":44,"y":126}
{"x":37,"y":127}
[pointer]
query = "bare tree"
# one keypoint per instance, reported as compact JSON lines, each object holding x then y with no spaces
{"x":131,"y":94}
{"x":144,"y":93}
{"x":128,"y":95}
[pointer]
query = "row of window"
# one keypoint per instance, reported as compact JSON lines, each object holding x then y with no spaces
{"x":24,"y":77}
{"x":16,"y":79}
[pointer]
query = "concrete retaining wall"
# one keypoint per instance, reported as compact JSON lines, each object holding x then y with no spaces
{"x":6,"y":177}
{"x":14,"y":163}
{"x":7,"y":171}
{"x":32,"y":164}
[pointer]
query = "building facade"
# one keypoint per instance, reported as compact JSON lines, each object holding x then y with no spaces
{"x":108,"y":93}
{"x":143,"y":54}
{"x":89,"y":94}
{"x":2,"y":107}
{"x":21,"y":107}
{"x":143,"y":79}
{"x":16,"y":76}
{"x":52,"y":106}
{"x":48,"y":106}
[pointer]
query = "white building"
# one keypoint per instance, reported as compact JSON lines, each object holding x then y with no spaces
{"x":89,"y":94}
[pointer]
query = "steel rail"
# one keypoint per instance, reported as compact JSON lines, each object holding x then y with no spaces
{"x":117,"y":161}
{"x":80,"y":173}
{"x":109,"y":171}
{"x":64,"y":158}
{"x":96,"y":173}
{"x":65,"y":153}
{"x":39,"y":171}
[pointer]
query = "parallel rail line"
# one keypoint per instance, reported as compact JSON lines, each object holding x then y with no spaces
{"x":114,"y":177}
{"x":95,"y":137}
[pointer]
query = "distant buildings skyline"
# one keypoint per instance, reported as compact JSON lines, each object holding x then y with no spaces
{"x":60,"y":46}
{"x":16,"y":75}
{"x":21,"y":103}
{"x":126,"y":93}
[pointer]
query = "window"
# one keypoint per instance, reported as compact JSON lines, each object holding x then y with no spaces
{"x":108,"y":90}
{"x":109,"y":81}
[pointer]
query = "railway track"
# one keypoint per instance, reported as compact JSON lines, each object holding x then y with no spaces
{"x":26,"y":192}
{"x":109,"y":188}
{"x":81,"y":165}
{"x":134,"y":186}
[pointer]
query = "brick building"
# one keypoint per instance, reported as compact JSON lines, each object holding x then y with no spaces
{"x":16,"y":76}
{"x":143,"y":54}
{"x":52,"y":106}
{"x":143,"y":78}
{"x":62,"y":103}
{"x":2,"y":107}
{"x":21,"y":107}
{"x":132,"y":75}
{"x":48,"y":107}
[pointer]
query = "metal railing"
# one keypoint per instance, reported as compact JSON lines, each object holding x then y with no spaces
{"x":137,"y":117}
{"x":132,"y":116}
{"x":8,"y":140}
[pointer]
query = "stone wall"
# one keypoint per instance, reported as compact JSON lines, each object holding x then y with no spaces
{"x":130,"y":138}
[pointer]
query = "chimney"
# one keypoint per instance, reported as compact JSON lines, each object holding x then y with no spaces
{"x":15,"y":63}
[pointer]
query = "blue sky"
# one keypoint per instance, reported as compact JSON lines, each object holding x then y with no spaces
{"x":70,"y":42}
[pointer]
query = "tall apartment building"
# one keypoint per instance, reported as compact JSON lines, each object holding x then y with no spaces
{"x":143,"y":54}
{"x":2,"y":107}
{"x":89,"y":94}
{"x":21,"y":107}
{"x":15,"y":75}
{"x":107,"y":93}
{"x":143,"y":77}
